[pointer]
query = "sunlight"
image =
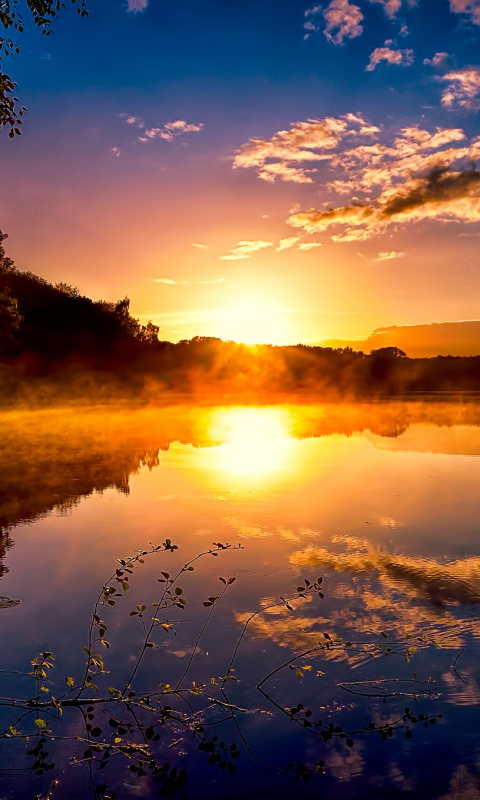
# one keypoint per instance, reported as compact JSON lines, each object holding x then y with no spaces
{"x":256,"y":440}
{"x":254,"y":320}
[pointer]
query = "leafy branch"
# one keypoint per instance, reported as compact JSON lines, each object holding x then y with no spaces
{"x":42,"y":12}
{"x":129,"y":723}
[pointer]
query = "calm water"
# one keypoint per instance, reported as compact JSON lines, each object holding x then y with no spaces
{"x":382,"y":500}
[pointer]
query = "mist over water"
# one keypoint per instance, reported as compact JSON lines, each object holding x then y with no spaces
{"x":381,"y":499}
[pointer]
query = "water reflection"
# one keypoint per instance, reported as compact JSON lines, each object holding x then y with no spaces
{"x":381,"y":499}
{"x":255,"y":441}
{"x":51,"y":459}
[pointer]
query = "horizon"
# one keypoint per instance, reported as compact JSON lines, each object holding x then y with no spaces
{"x":458,"y":340}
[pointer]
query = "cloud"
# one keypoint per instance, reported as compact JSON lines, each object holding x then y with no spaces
{"x":463,"y":90}
{"x":134,"y":6}
{"x":166,"y":132}
{"x":164,"y":280}
{"x":471,"y":8}
{"x":291,"y":241}
{"x":438,"y":60}
{"x":342,"y":20}
{"x":286,"y":244}
{"x":282,"y":156}
{"x":440,"y":195}
{"x":201,"y":246}
{"x":244,"y":249}
{"x":392,"y":7}
{"x":116,"y":151}
{"x":414,"y":174}
{"x":218,"y":280}
{"x":170,"y":130}
{"x":388,"y":256}
{"x":402,"y":58}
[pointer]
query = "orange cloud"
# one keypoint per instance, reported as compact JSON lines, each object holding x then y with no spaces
{"x":439,"y":195}
{"x":420,"y":174}
{"x":287,"y":243}
{"x":388,"y":256}
{"x":342,"y":21}
{"x":309,"y":245}
{"x":463,"y":88}
{"x":438,"y":60}
{"x":471,"y":8}
{"x":402,"y":58}
{"x":245,"y":249}
{"x":308,"y":141}
{"x":392,"y":7}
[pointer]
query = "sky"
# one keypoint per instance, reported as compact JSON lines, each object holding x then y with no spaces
{"x":264,"y":171}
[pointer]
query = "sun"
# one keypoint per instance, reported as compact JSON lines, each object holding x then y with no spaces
{"x":255,"y":320}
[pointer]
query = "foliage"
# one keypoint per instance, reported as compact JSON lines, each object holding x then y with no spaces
{"x":42,"y":12}
{"x":54,"y":323}
{"x":10,"y":319}
{"x":139,"y":725}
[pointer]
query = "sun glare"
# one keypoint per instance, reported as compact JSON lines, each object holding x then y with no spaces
{"x":255,"y":320}
{"x":257,"y":441}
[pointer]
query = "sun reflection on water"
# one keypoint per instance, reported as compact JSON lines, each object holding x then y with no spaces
{"x":255,"y":441}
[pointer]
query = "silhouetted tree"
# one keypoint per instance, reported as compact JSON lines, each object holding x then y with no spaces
{"x":387,"y":352}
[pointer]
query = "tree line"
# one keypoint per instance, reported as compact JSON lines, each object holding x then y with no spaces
{"x":53,"y":333}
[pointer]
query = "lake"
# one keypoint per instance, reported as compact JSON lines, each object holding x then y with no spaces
{"x":381,"y":500}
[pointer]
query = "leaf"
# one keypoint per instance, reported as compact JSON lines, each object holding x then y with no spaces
{"x":70,"y":681}
{"x":40,"y":723}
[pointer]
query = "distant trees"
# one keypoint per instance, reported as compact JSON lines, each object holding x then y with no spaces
{"x":50,"y":331}
{"x":387,"y":352}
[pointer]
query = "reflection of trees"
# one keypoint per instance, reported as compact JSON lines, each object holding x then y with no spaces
{"x":5,"y":544}
{"x":50,"y":460}
{"x":49,"y":463}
